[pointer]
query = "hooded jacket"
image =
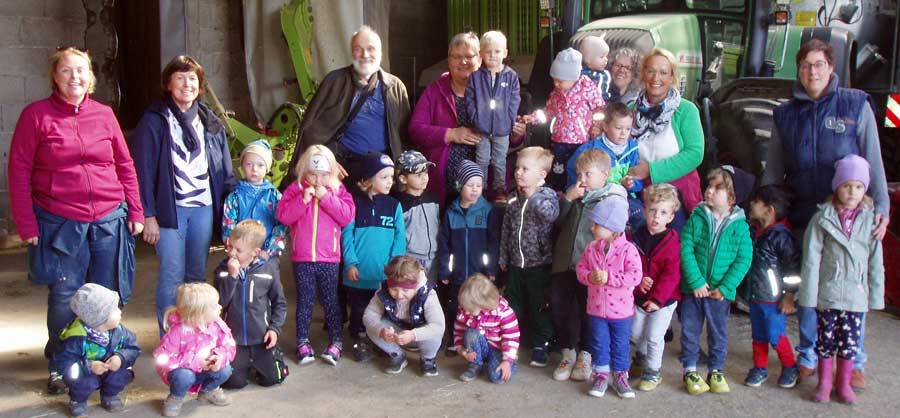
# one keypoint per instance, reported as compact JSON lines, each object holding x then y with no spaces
{"x":260,"y":202}
{"x":840,"y":272}
{"x":468,"y":241}
{"x":719,"y":257}
{"x":188,"y":347}
{"x":253,"y":302}
{"x":78,"y":351}
{"x":423,"y":314}
{"x":316,"y":226}
{"x":482,"y":91}
{"x":375,"y":236}
{"x":527,"y":235}
{"x":574,"y":225}
{"x":619,"y":164}
{"x":662,"y":264}
{"x":615,"y":299}
{"x":499,"y":326}
{"x":421,"y":216}
{"x":570,"y":113}
{"x":775,"y":250}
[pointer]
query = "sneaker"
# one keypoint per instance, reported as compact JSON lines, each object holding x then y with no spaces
{"x":694,"y":383}
{"x":305,"y":354}
{"x":858,"y":380}
{"x":582,"y":370}
{"x":789,"y":376}
{"x":539,"y":356}
{"x":397,"y":364}
{"x":361,"y":350}
{"x":471,"y":372}
{"x":77,"y":409}
{"x":172,"y":406}
{"x":429,"y":367}
{"x":600,"y":381}
{"x":55,"y":384}
{"x":717,"y":383}
{"x":332,"y":354}
{"x":112,"y":404}
{"x":650,"y":379}
{"x":757,"y":376}
{"x":564,"y":370}
{"x":620,"y":385}
{"x":216,"y":397}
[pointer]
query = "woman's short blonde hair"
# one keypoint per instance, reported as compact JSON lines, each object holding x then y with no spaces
{"x":662,"y":193}
{"x":593,"y":158}
{"x":194,"y":302}
{"x":469,"y":39}
{"x":659,"y":52}
{"x":303,"y":164}
{"x":478,"y":293}
{"x":251,"y":231}
{"x":58,"y":55}
{"x":403,"y":268}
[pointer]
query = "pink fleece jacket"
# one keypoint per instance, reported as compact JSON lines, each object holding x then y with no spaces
{"x":188,"y":347}
{"x":71,"y":161}
{"x":316,"y":226}
{"x":615,"y":299}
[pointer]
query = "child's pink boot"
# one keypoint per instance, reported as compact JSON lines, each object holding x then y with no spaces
{"x":826,"y":380}
{"x":844,"y":373}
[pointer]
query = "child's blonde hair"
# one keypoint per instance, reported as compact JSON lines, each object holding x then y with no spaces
{"x":727,"y":181}
{"x":492,"y":38}
{"x":403,"y":268}
{"x":193,"y":302}
{"x":251,"y":231}
{"x":662,"y":193}
{"x":593,"y":158}
{"x":541,"y":155}
{"x":478,"y":293}
{"x":303,"y":164}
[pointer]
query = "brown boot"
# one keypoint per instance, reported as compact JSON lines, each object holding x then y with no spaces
{"x":858,"y":381}
{"x":806,"y":372}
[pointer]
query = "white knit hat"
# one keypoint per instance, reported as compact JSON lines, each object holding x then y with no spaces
{"x":567,"y":65}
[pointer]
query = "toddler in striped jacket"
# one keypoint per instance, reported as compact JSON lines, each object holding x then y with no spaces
{"x":486,"y":331}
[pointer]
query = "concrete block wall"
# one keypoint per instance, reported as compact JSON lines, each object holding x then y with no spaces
{"x":29,"y":32}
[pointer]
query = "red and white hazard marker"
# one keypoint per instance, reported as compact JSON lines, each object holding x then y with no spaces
{"x":892,"y":114}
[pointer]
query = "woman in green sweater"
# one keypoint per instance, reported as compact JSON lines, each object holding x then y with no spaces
{"x":667,"y":128}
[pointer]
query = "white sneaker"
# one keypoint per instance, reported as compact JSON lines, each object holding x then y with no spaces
{"x":566,"y":364}
{"x":582,"y":369}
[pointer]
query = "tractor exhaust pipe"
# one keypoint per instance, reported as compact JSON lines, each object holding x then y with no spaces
{"x":756,"y":47}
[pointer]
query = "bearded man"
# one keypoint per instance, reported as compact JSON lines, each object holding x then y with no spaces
{"x":357,"y":109}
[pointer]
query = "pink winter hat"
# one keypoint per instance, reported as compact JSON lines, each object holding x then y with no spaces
{"x":851,"y":167}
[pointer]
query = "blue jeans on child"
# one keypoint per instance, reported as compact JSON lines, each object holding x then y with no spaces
{"x":180,"y":380}
{"x":182,"y":255}
{"x":109,"y":383}
{"x":694,"y":312}
{"x":476,"y":342}
{"x":491,"y":153}
{"x":610,"y":343}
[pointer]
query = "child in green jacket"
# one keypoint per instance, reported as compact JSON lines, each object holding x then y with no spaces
{"x":716,"y":252}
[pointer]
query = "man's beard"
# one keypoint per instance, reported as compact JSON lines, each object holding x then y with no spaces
{"x":365,"y":69}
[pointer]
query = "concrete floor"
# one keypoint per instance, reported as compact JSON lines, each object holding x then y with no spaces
{"x":362,"y":390}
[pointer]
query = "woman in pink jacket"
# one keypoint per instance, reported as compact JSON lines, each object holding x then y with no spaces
{"x":196,"y":352}
{"x":74,"y":195}
{"x":611,"y":268}
{"x":316,"y":207}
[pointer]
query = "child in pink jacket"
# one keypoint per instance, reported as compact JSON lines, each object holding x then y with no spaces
{"x":316,"y":207}
{"x":611,"y":268}
{"x":197,"y":349}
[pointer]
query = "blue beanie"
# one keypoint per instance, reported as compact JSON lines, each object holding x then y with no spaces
{"x":611,"y":213}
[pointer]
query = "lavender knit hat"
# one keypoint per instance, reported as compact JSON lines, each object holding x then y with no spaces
{"x":611,"y":213}
{"x":851,"y":167}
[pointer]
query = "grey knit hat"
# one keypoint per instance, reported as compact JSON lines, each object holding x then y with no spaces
{"x":567,"y":65}
{"x":592,"y":46}
{"x":93,"y":303}
{"x":465,"y":172}
{"x":611,"y":213}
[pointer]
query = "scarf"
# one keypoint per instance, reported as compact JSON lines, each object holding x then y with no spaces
{"x":651,"y":120}
{"x":97,"y":337}
{"x":614,"y":147}
{"x":847,"y":218}
{"x":185,"y":120}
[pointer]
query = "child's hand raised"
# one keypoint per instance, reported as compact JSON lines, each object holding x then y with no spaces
{"x":321,"y":191}
{"x":234,"y":266}
{"x":702,"y":292}
{"x":599,"y":277}
{"x":308,"y":194}
{"x":627,"y":182}
{"x":575,"y":192}
{"x":99,"y":367}
{"x":646,"y":284}
{"x":113,"y":363}
{"x":271,"y":338}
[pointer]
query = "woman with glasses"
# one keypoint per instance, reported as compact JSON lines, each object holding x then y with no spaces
{"x":624,"y":69}
{"x":821,"y":124}
{"x":74,"y":195}
{"x":668,"y":131}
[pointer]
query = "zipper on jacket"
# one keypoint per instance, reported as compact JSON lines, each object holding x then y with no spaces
{"x":522,"y":225}
{"x":315,"y":228}
{"x":466,"y":252}
{"x":244,"y":309}
{"x":334,"y":240}
{"x":87,"y":177}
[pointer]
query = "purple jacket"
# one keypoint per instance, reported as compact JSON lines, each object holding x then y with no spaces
{"x":496,"y":121}
{"x":435,"y":113}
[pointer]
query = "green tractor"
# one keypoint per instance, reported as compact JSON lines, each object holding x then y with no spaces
{"x":736,"y":57}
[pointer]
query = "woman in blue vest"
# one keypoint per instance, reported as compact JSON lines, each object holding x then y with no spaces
{"x":821,"y":124}
{"x":184,"y":170}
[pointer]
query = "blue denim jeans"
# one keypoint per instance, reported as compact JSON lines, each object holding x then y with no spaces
{"x":180,"y":380}
{"x":109,"y":383}
{"x":694,"y":312}
{"x":806,"y":347}
{"x":182,"y":255}
{"x":610,"y":343}
{"x":491,"y":153}
{"x":476,"y":342}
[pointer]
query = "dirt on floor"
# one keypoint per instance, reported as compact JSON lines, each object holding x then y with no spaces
{"x":363,"y":390}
